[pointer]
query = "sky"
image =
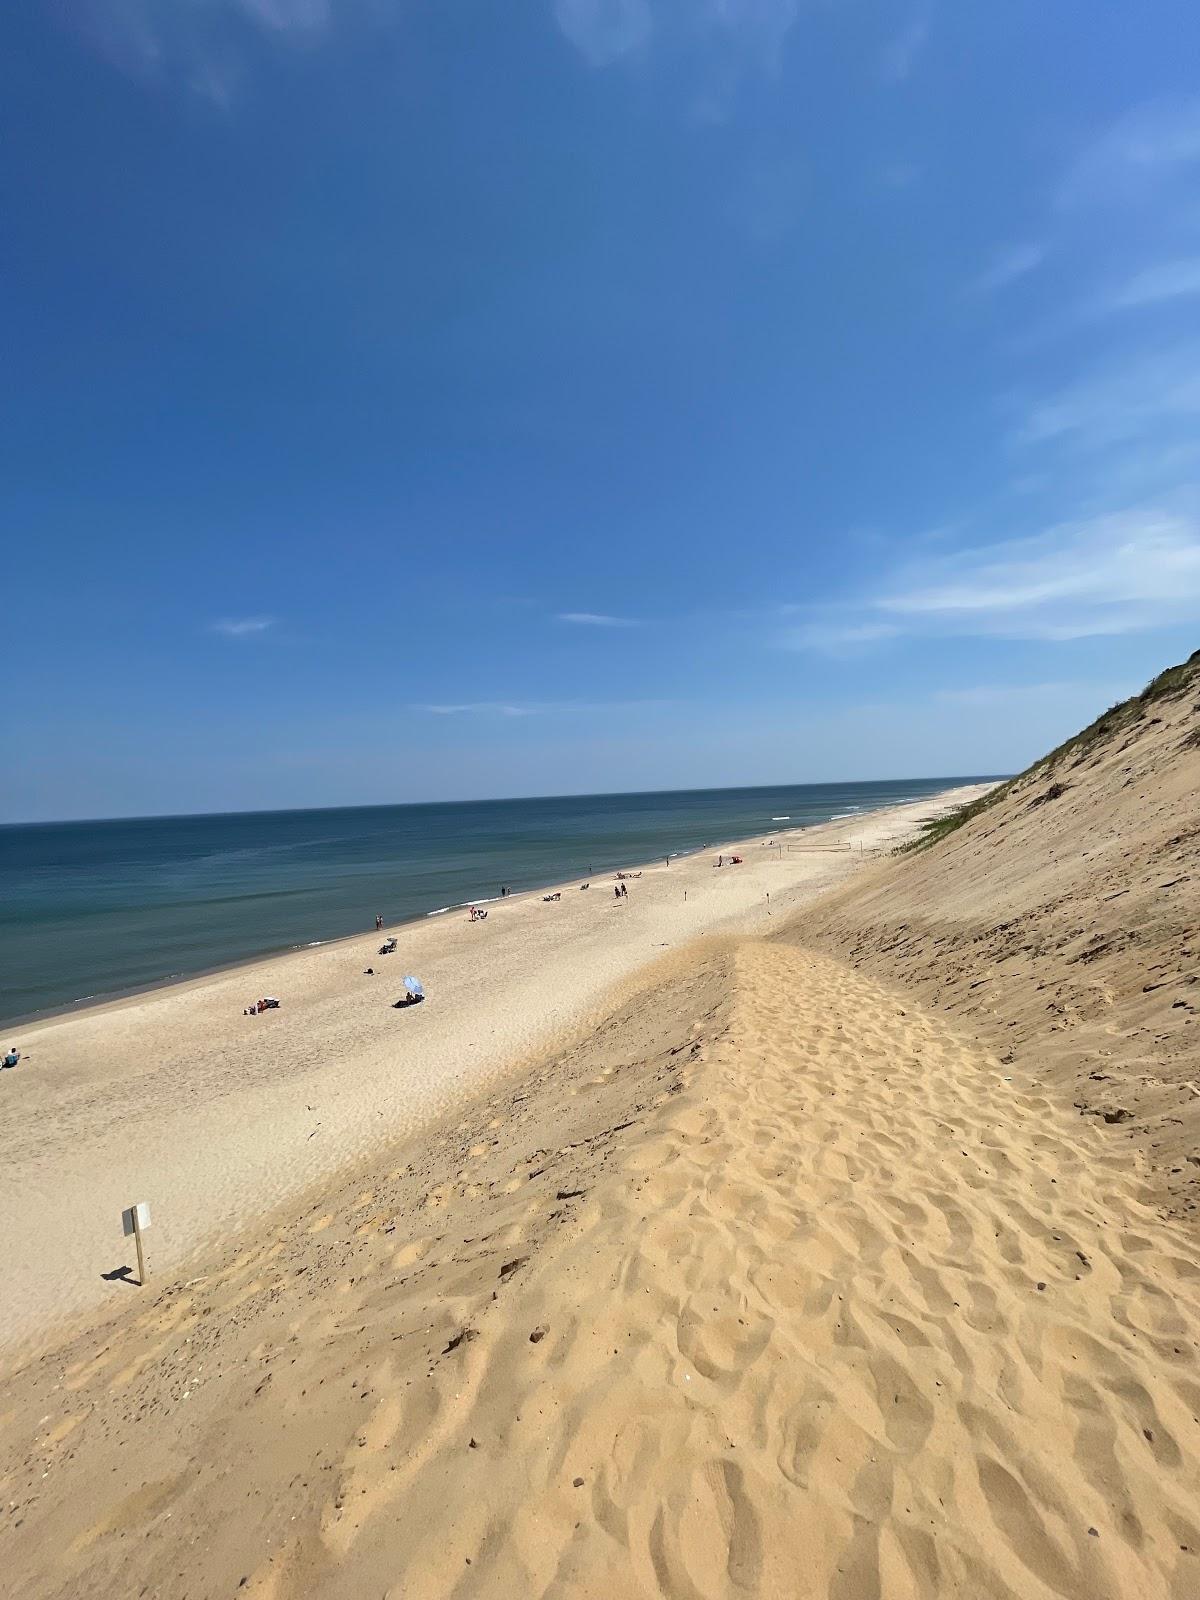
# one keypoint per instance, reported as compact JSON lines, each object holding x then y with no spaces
{"x":412,"y":401}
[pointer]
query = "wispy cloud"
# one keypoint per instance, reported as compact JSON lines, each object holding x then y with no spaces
{"x":725,"y":36}
{"x":1149,"y":145}
{"x":287,"y":16}
{"x":1112,"y":575}
{"x":900,"y":56}
{"x":1007,"y":266}
{"x":242,"y":627}
{"x":1001,"y":694}
{"x":833,"y":636}
{"x":1165,"y":281}
{"x":1124,"y":573}
{"x":198,"y":45}
{"x":538,"y":708}
{"x":899,"y":174}
{"x":595,"y":619}
{"x":206,"y":46}
{"x":1121,"y":402}
{"x":497,"y":708}
{"x":604,"y":31}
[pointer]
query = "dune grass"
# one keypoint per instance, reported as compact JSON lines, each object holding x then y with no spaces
{"x":1168,"y":686}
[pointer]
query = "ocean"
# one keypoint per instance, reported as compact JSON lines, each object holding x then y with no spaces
{"x":90,"y":910}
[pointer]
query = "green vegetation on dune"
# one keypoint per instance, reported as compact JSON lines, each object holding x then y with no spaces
{"x":938,"y":827}
{"x":1169,"y":686}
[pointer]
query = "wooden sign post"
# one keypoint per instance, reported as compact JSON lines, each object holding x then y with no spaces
{"x":133,"y":1220}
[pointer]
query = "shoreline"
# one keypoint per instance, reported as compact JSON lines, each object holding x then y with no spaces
{"x":219,"y":969}
{"x":219,"y":1119}
{"x":119,"y":997}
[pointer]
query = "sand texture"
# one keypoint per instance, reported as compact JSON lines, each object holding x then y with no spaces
{"x":774,"y":1286}
{"x":214,"y":1118}
{"x":1061,"y":928}
{"x":797,"y":1266}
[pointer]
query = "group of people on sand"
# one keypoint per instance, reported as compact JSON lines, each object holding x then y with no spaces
{"x":474,"y":914}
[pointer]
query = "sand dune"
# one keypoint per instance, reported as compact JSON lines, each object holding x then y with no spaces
{"x":1061,"y":927}
{"x":774,"y":1287}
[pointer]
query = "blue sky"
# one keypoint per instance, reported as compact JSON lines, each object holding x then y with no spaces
{"x":408,"y":401}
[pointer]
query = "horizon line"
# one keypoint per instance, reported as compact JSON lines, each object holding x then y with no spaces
{"x":501,"y":799}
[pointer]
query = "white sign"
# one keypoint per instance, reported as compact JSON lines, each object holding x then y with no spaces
{"x":143,"y":1218}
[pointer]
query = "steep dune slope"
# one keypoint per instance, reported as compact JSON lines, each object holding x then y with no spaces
{"x":1061,"y":923}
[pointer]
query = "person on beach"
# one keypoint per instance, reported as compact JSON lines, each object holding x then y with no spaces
{"x":13,"y":1056}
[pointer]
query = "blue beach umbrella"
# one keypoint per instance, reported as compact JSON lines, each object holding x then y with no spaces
{"x":415,"y":986}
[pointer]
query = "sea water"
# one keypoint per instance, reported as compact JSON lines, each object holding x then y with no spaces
{"x":89,"y":910}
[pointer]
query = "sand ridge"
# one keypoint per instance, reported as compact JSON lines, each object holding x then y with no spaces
{"x":777,"y":1285}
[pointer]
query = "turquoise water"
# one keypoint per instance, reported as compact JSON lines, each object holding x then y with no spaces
{"x":93,"y":909}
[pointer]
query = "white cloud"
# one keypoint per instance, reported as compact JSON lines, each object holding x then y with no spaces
{"x":197,"y":44}
{"x":1168,"y":280}
{"x":901,"y":55}
{"x":481,"y":707}
{"x":1150,"y":144}
{"x":1125,"y":573}
{"x":834,"y":637}
{"x":899,"y":174}
{"x":243,"y":627}
{"x":1116,"y":574}
{"x":1120,"y":403}
{"x":595,"y":619}
{"x":726,"y":35}
{"x":537,"y":708}
{"x":604,"y":31}
{"x":284,"y":16}
{"x":1001,"y":694}
{"x":202,"y":44}
{"x":1009,"y":265}
{"x":764,"y":24}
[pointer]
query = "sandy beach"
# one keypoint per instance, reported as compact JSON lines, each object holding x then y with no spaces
{"x":693,"y":1253}
{"x":174,"y":1097}
{"x":776,"y":1285}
